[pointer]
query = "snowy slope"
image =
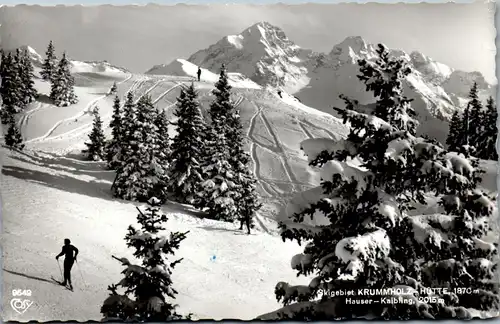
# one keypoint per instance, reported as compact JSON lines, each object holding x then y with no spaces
{"x":263,"y":53}
{"x":49,"y":193}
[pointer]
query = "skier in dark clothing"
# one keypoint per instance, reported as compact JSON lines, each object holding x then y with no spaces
{"x":199,"y":73}
{"x":69,"y":259}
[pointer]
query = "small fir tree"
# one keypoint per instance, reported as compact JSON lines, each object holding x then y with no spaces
{"x":114,"y":89}
{"x":13,"y":138}
{"x":113,"y":148}
{"x":455,"y":134}
{"x":188,"y":148}
{"x":476,"y":118}
{"x":26,"y":70}
{"x":222,"y":107}
{"x":248,"y":202}
{"x":128,"y":127}
{"x":95,"y":148}
{"x":148,"y":286}
{"x":10,"y":89}
{"x":62,"y":91}
{"x":487,"y":139}
{"x":49,"y":66}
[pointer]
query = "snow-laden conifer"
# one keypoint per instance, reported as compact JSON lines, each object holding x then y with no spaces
{"x":62,"y":91}
{"x":188,"y":148}
{"x":13,"y":138}
{"x":49,"y":67}
{"x":10,"y":89}
{"x":147,"y":286}
{"x":26,"y":76}
{"x":455,"y":133}
{"x":486,"y":147}
{"x":219,"y":190}
{"x":96,"y":146}
{"x":143,"y":173}
{"x":113,"y":147}
{"x":360,"y":231}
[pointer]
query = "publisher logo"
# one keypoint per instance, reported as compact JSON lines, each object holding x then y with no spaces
{"x":20,"y":305}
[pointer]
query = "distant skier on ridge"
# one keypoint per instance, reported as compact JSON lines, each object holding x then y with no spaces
{"x":199,"y":73}
{"x":69,"y":260}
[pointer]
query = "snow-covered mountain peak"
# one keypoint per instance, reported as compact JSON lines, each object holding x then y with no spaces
{"x":262,"y":52}
{"x":354,"y":44}
{"x":431,"y":70}
{"x":262,"y":39}
{"x":33,"y":54}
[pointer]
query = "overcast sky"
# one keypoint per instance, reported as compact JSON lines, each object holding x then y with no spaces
{"x":137,"y":37}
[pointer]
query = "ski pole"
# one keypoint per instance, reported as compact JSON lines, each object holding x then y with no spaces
{"x":60,"y":269}
{"x":81,"y":275}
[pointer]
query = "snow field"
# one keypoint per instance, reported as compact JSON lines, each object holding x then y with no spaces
{"x":71,"y":198}
{"x":75,"y":202}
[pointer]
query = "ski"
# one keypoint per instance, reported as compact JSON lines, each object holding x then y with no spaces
{"x":61,"y":284}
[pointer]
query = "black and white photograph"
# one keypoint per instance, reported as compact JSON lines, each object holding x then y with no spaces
{"x":248,"y":162}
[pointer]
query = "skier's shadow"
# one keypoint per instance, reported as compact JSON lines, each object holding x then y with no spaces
{"x":29,"y":276}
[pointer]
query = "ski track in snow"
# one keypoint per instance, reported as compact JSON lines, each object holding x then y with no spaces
{"x":327,"y":131}
{"x":253,"y":151}
{"x":84,"y":128}
{"x":166,"y":92}
{"x":282,"y":152}
{"x":60,"y":122}
{"x":268,"y":185}
{"x":23,"y":122}
{"x":304,"y":129}
{"x":87,"y":108}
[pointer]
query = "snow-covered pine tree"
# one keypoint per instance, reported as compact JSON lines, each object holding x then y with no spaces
{"x":363,"y":234}
{"x":219,"y":190}
{"x":188,"y":148}
{"x":28,"y":91}
{"x":128,"y":125}
{"x":148,"y":287}
{"x":62,"y":92}
{"x":476,"y":118}
{"x":142,"y":174}
{"x":486,"y":148}
{"x":96,"y":147}
{"x":113,"y":147}
{"x":10,"y":89}
{"x":222,"y":107}
{"x":464,"y":142}
{"x":13,"y":138}
{"x":248,"y":202}
{"x":49,"y":67}
{"x":455,"y":133}
{"x":114,"y":89}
